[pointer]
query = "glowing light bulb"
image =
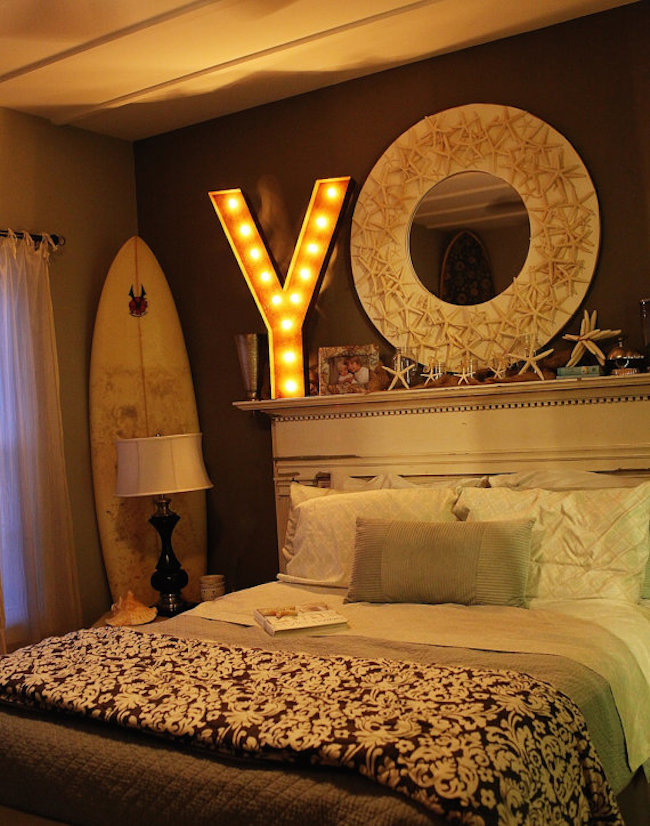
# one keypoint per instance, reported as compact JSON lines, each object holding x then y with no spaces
{"x":305,"y":273}
{"x":245,"y":230}
{"x":321,"y":222}
{"x":312,"y":248}
{"x":295,"y":298}
{"x":290,"y":356}
{"x":332,"y":192}
{"x":291,"y":386}
{"x":286,"y":324}
{"x":233,"y":203}
{"x":276,"y":299}
{"x":255,"y":253}
{"x":265,"y":276}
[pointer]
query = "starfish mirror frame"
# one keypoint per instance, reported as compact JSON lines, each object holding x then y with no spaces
{"x":553,"y":182}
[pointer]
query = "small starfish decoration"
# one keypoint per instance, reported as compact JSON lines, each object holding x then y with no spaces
{"x":399,"y":375}
{"x":467,"y":372}
{"x":586,"y":339}
{"x":499,"y":368}
{"x":531,"y":359}
{"x":435,"y":371}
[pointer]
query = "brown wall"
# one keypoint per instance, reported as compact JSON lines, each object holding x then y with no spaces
{"x":589,"y":79}
{"x":67,"y":180}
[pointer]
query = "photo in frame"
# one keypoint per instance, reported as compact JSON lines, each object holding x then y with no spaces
{"x":348,"y":369}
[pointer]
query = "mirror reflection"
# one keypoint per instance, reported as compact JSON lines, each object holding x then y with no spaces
{"x":469,"y":237}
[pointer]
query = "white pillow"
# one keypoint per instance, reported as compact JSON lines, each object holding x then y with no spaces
{"x":301,"y":493}
{"x":568,"y":479}
{"x":351,"y":483}
{"x":586,"y":543}
{"x":325,"y":528}
{"x":561,"y":479}
{"x":395,"y":480}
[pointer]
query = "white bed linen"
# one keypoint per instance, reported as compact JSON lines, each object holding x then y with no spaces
{"x":612,"y":639}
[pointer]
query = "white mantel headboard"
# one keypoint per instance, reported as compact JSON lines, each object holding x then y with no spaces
{"x":599,"y":424}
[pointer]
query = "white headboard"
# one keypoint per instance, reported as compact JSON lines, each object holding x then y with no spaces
{"x":598,"y":424}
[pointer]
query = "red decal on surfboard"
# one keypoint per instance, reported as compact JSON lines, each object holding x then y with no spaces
{"x":138,"y":304}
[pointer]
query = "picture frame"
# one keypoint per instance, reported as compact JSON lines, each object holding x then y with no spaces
{"x":348,"y":369}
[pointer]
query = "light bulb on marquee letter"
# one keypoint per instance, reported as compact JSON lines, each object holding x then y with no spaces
{"x":283,"y":318}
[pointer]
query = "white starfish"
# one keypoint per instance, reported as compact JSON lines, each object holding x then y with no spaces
{"x":530,"y":360}
{"x":499,"y":368}
{"x":399,"y":375}
{"x":435,"y":371}
{"x":586,"y":339}
{"x":467,"y":372}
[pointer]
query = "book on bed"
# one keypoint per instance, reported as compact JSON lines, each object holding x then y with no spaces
{"x":289,"y":618}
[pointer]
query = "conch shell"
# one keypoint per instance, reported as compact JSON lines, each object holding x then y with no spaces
{"x":130,"y":611}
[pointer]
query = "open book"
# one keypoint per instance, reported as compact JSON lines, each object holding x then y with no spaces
{"x":298,"y":618}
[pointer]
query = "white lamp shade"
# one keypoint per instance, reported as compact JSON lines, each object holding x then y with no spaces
{"x":160,"y":464}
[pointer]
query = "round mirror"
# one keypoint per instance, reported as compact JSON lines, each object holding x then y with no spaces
{"x":469,"y":237}
{"x":562,"y":208}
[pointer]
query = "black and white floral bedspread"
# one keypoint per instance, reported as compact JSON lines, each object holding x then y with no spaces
{"x":474,"y":745}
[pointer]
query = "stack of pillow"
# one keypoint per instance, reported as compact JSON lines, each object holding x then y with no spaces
{"x":516,"y":539}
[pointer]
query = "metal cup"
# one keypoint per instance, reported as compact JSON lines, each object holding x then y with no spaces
{"x":253,"y":353}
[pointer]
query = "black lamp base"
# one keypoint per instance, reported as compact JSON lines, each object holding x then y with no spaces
{"x":169,"y":605}
{"x":169,"y":577}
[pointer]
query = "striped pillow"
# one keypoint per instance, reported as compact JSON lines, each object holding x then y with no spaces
{"x":470,"y":563}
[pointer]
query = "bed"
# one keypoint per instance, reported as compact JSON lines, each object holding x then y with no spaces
{"x":495,"y":666}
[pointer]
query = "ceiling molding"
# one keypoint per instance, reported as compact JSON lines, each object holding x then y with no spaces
{"x":114,"y":69}
{"x":80,"y":48}
{"x":248,"y":58}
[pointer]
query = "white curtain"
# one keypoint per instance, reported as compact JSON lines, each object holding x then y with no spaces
{"x":38,"y":575}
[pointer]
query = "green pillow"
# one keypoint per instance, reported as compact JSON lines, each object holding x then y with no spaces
{"x":470,"y":563}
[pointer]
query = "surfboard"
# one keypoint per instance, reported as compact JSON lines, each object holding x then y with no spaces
{"x":140,"y":385}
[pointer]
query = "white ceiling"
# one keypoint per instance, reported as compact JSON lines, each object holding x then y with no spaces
{"x":136,"y":68}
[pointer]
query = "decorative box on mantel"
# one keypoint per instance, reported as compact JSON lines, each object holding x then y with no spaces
{"x":600,"y":424}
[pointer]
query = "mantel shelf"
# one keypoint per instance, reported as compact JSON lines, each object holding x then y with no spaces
{"x":557,"y":392}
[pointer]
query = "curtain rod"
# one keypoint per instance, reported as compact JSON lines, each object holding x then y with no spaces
{"x":37,"y":237}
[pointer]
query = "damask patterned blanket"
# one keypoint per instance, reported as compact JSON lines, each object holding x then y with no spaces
{"x":475,"y":745}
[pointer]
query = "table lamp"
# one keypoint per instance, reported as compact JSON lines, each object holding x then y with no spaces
{"x":158,"y":466}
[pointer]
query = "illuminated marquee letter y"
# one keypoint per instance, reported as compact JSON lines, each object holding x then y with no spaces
{"x":284,"y":307}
